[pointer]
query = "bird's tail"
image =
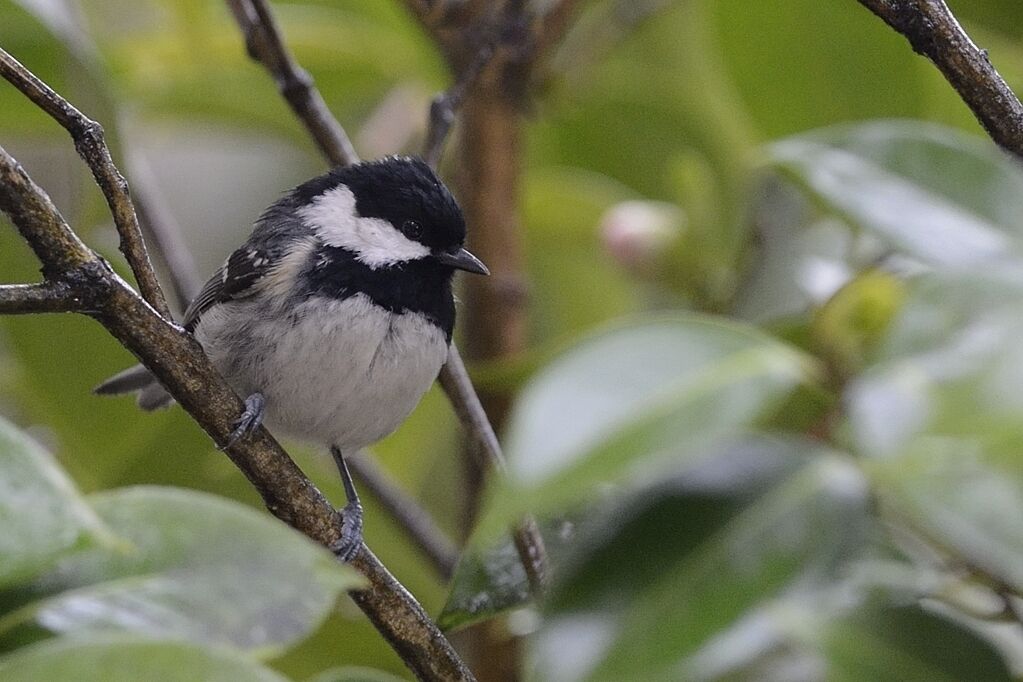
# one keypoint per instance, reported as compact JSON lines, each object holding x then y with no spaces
{"x":151,"y":395}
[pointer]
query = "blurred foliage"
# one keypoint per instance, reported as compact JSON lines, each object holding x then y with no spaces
{"x":103,"y":659}
{"x":159,"y":565}
{"x":787,"y":444}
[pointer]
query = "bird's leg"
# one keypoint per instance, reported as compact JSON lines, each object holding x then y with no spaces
{"x":347,"y":546}
{"x":250,"y":419}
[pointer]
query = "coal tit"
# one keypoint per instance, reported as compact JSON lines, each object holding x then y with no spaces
{"x":335,"y":317}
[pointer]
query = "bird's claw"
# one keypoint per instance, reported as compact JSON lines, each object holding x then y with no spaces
{"x":249,"y":420}
{"x":347,"y":546}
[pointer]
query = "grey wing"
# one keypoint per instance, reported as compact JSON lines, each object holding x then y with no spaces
{"x":208,"y":295}
{"x":234,"y":279}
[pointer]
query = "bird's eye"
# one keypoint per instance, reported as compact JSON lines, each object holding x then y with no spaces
{"x":412,"y":229}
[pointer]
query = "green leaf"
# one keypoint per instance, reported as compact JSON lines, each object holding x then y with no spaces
{"x":633,"y":400}
{"x":933,"y":193}
{"x":201,"y":568}
{"x":904,"y":188}
{"x":946,"y":366}
{"x":949,"y":368}
{"x":806,"y":528}
{"x":42,"y":515}
{"x":952,"y":496}
{"x":128,"y":659}
{"x":847,"y":329}
{"x":491,"y":580}
{"x":945,"y":307}
{"x":848,"y":633}
{"x":904,"y":643}
{"x":487,"y":582}
{"x":354,"y":674}
{"x":659,"y":523}
{"x":668,"y":520}
{"x":938,"y":414}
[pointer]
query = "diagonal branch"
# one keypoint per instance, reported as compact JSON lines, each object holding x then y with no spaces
{"x":454,"y":379}
{"x":265,"y":45}
{"x":181,"y":366}
{"x":445,"y":106}
{"x":89,"y":141}
{"x":58,"y":248}
{"x":934,"y":32}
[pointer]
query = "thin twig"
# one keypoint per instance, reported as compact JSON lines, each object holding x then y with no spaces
{"x":444,"y":106}
{"x":454,"y":379}
{"x":89,"y":141}
{"x":45,"y":297}
{"x":413,"y":519}
{"x":181,"y":366}
{"x":484,"y":34}
{"x":168,"y":240}
{"x":934,"y":32}
{"x":264,"y":44}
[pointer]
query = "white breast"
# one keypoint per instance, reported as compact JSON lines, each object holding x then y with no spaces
{"x":343,"y":373}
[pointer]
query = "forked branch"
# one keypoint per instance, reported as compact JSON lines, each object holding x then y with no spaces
{"x":91,"y":146}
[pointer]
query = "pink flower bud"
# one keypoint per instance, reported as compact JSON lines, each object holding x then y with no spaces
{"x":637,"y":233}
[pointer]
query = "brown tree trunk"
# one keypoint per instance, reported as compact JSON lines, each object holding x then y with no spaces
{"x":493,"y":308}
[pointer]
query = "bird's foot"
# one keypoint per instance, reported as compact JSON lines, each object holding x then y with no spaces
{"x":346,"y":547}
{"x":249,"y":420}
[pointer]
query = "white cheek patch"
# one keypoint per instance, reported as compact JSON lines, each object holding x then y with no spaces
{"x":373,"y":241}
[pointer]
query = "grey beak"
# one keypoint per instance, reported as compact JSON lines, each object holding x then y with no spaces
{"x":462,"y":260}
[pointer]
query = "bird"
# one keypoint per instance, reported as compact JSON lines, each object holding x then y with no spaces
{"x":336,"y":314}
